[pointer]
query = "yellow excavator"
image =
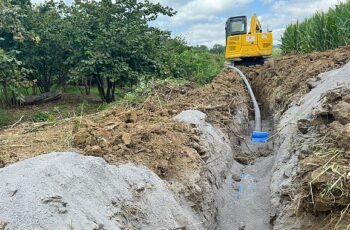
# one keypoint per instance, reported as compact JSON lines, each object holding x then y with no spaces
{"x":244,"y":46}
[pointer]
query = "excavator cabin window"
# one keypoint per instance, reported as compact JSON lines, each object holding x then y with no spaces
{"x":236,"y":26}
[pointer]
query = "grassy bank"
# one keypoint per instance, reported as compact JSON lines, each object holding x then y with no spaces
{"x":321,"y":32}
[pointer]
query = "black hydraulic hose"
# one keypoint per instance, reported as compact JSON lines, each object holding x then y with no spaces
{"x":257,"y":126}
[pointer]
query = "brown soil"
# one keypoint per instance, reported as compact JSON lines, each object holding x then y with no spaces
{"x":325,"y":171}
{"x":323,"y":179}
{"x":165,"y":146}
{"x":287,"y":78}
{"x":145,"y":133}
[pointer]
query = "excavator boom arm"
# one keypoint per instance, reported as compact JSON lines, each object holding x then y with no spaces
{"x":255,"y":26}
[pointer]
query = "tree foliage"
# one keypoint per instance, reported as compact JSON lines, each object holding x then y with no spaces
{"x":217,"y":49}
{"x":12,"y":33}
{"x":108,"y":44}
{"x":12,"y":77}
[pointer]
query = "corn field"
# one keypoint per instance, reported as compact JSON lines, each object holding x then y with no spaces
{"x":321,"y":32}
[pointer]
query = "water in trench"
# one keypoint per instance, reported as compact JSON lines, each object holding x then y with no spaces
{"x":244,"y":198}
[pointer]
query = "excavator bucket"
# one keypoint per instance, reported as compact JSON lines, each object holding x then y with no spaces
{"x":260,"y":137}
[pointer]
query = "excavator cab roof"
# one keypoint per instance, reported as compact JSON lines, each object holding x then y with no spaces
{"x":237,"y":17}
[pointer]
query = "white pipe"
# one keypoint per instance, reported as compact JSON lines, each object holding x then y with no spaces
{"x":257,"y":126}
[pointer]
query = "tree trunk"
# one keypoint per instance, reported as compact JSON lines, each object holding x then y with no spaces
{"x":100,"y":87}
{"x":4,"y":86}
{"x":42,"y":98}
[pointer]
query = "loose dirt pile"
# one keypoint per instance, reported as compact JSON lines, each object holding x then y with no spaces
{"x":149,"y":136}
{"x":192,"y":158}
{"x":144,"y":134}
{"x":70,"y":191}
{"x":281,"y":83}
{"x":325,"y":169}
{"x":312,"y":165}
{"x":165,"y":146}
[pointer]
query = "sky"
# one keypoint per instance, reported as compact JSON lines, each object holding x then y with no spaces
{"x":202,"y":22}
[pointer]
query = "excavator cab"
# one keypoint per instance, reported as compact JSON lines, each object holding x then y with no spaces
{"x":241,"y":44}
{"x":236,"y":26}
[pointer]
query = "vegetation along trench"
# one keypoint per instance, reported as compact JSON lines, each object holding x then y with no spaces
{"x":109,"y":121}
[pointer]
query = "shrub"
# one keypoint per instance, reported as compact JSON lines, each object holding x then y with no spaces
{"x":42,"y":116}
{"x":6,"y":117}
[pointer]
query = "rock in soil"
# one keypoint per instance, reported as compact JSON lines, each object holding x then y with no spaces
{"x":341,"y":112}
{"x":304,"y":125}
{"x":126,"y":137}
{"x":2,"y":225}
{"x":243,"y":158}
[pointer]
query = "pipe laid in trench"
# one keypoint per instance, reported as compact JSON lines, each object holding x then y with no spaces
{"x":258,"y":135}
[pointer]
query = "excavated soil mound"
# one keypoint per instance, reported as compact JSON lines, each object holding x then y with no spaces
{"x":219,"y":100}
{"x":314,"y":191}
{"x":325,"y":169}
{"x":148,"y":135}
{"x":165,"y":146}
{"x":286,"y":79}
{"x":144,"y":133}
{"x":72,"y":191}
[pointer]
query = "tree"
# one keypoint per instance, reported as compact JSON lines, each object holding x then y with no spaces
{"x":46,"y":54}
{"x":218,"y":49}
{"x":12,"y":32}
{"x":114,"y":45}
{"x":104,"y":43}
{"x":12,"y":78}
{"x":201,"y":48}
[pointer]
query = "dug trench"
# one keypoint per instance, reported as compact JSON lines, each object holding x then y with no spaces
{"x":282,"y":184}
{"x":307,"y":99}
{"x":192,"y":164}
{"x":299,"y":180}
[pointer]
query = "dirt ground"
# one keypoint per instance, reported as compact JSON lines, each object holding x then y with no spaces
{"x":69,"y":105}
{"x":284,"y":80}
{"x":325,"y":170}
{"x":323,"y":176}
{"x":144,"y":134}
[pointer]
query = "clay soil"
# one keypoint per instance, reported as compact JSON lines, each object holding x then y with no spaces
{"x":322,"y":183}
{"x":144,"y":133}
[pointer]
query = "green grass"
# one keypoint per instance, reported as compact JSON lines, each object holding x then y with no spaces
{"x":276,"y":52}
{"x":143,"y":91}
{"x":43,"y":116}
{"x":74,"y":90}
{"x":321,"y":32}
{"x":6,"y":118}
{"x":72,"y":104}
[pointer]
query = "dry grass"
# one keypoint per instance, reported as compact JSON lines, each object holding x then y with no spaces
{"x":324,"y":176}
{"x":156,"y":141}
